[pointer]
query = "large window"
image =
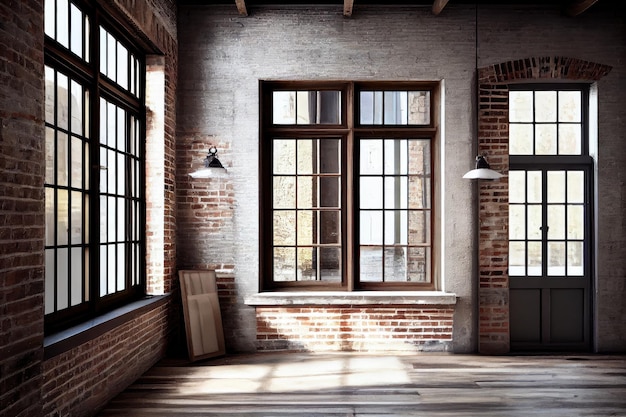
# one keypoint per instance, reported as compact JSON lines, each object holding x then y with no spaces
{"x":94,"y":243}
{"x":347,"y":185}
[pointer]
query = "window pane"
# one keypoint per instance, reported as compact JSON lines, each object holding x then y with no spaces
{"x":517,"y":222}
{"x":104,"y":262}
{"x":575,"y":259}
{"x":284,"y":192}
{"x":284,"y":107}
{"x":371,"y":196}
{"x":418,"y":265}
{"x":76,"y":31}
{"x":396,"y":112}
{"x":395,"y":227}
{"x":121,"y":267}
{"x":545,"y":140}
{"x":307,"y":264}
{"x":76,"y":231}
{"x":330,"y":192}
{"x":545,"y":106}
{"x":50,"y":217}
{"x":395,"y":192}
{"x":517,"y":259}
{"x":419,"y":227}
{"x":371,"y":228}
{"x":419,"y":107}
{"x":284,"y":264}
{"x":307,"y":156}
{"x":395,"y":156}
{"x":575,"y":186}
{"x":330,"y":227}
{"x":517,"y":187}
{"x":284,"y":227}
{"x":419,"y":192}
{"x":62,"y":101}
{"x":371,"y":157}
{"x":570,"y":139}
{"x":308,"y":192}
{"x":535,"y":221}
{"x":395,"y":264}
{"x":534,"y":258}
{"x":50,"y":94}
{"x":556,"y":221}
{"x":63,"y":221}
{"x":50,"y":23}
{"x":330,"y":264}
{"x":318,"y":107}
{"x":76,"y":107}
{"x":62,"y":23}
{"x":575,"y":222}
{"x":556,"y":258}
{"x":521,"y":106}
{"x":419,"y":157}
{"x":330,"y":156}
{"x":77,"y":163}
{"x":371,"y":264}
{"x":122,"y":66}
{"x":62,"y":279}
{"x":49,"y":281}
{"x":570,"y":106}
{"x":535,"y":187}
{"x":76,"y":276}
{"x":284,"y":161}
{"x":50,"y":151}
{"x":556,"y":186}
{"x":307,"y":227}
{"x":521,"y":140}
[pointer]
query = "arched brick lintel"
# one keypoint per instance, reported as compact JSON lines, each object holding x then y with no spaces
{"x":542,"y":68}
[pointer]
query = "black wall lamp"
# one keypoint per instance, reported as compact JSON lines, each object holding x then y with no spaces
{"x":212,"y":168}
{"x":482,"y":171}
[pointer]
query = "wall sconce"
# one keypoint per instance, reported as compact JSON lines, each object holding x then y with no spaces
{"x":213,"y":168}
{"x":482,"y":171}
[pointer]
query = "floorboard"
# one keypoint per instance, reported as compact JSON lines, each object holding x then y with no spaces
{"x":350,"y":385}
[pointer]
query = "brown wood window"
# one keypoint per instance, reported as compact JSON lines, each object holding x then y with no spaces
{"x":347,"y":185}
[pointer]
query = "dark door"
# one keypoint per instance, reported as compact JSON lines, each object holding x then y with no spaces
{"x":549,"y":257}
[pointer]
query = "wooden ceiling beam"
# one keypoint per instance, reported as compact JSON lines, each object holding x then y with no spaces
{"x":347,"y":7}
{"x":438,"y":6}
{"x":578,"y":7}
{"x":241,"y":7}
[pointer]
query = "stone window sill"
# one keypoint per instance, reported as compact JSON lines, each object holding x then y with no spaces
{"x":356,"y":298}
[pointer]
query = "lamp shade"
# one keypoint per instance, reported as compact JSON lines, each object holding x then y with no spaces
{"x":212,"y":167}
{"x":482,"y":171}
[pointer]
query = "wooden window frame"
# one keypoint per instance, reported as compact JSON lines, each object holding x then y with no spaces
{"x":349,"y":131}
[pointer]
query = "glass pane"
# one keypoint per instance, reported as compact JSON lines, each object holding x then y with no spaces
{"x":570,"y":140}
{"x":103,"y":269}
{"x":308,"y":192}
{"x":366,"y":108}
{"x":419,"y":157}
{"x":521,"y":106}
{"x":330,"y":227}
{"x":104,"y":163}
{"x":112,"y":220}
{"x":307,"y":264}
{"x":396,"y":112}
{"x":307,"y":227}
{"x":575,"y":259}
{"x":517,"y":186}
{"x":534,"y":258}
{"x":329,"y":156}
{"x":122,"y":66}
{"x":121,"y":129}
{"x":419,"y":107}
{"x":76,"y":276}
{"x":50,"y":92}
{"x":62,"y":23}
{"x":103,"y":122}
{"x":534,"y":221}
{"x":330,"y":264}
{"x":284,"y":227}
{"x":104,"y":213}
{"x":319,"y":107}
{"x":50,"y":217}
{"x":395,"y":156}
{"x":284,"y":193}
{"x":371,"y":228}
{"x":77,"y":108}
{"x":517,"y":222}
{"x":121,"y":266}
{"x":570,"y":106}
{"x":556,"y":222}
{"x":395,"y":192}
{"x":517,"y":259}
{"x":371,"y":155}
{"x":545,"y":106}
{"x":111,"y":171}
{"x":76,"y":31}
{"x":62,"y":159}
{"x":418,"y":264}
{"x":86,"y":216}
{"x":534,"y":186}
{"x":371,"y":193}
{"x":121,"y":219}
{"x":395,"y":264}
{"x":545,"y":140}
{"x":49,"y":271}
{"x":284,"y":107}
{"x":307,"y":156}
{"x":62,"y":281}
{"x":111,"y":125}
{"x":284,"y":264}
{"x":49,"y":27}
{"x":419,"y":192}
{"x":284,"y":154}
{"x":521,"y":139}
{"x":86,"y":55}
{"x":556,"y":186}
{"x":62,"y":101}
{"x":111,"y":55}
{"x":112,"y":275}
{"x":575,"y":186}
{"x":371,"y":264}
{"x":63,"y":221}
{"x":121,"y":173}
{"x":556,"y":258}
{"x":76,"y":231}
{"x":77,"y":162}
{"x":103,"y":50}
{"x":575,"y":222}
{"x":419,"y":227}
{"x":330,"y":192}
{"x":50,"y":153}
{"x":395,"y":227}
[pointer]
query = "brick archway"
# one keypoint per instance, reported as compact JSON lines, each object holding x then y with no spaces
{"x":493,"y":141}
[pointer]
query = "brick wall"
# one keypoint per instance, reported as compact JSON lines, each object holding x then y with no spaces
{"x":493,"y":138}
{"x":355,"y":328}
{"x":21,"y":207}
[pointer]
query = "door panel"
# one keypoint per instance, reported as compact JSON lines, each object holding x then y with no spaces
{"x":549,"y":259}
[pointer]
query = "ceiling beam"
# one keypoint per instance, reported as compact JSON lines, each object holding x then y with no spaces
{"x":241,"y":7}
{"x":347,"y":7}
{"x":438,"y":6}
{"x":578,"y":7}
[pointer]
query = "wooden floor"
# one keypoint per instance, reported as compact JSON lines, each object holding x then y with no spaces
{"x":307,"y":385}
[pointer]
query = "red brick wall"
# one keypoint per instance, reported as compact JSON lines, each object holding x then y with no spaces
{"x":493,"y":138}
{"x":21,"y":207}
{"x":82,"y":380}
{"x":354,"y":328}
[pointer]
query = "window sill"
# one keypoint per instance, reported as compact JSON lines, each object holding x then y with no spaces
{"x":65,"y":340}
{"x":351,"y":298}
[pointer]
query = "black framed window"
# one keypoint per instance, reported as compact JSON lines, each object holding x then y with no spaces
{"x":347,"y":185}
{"x":94,"y":185}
